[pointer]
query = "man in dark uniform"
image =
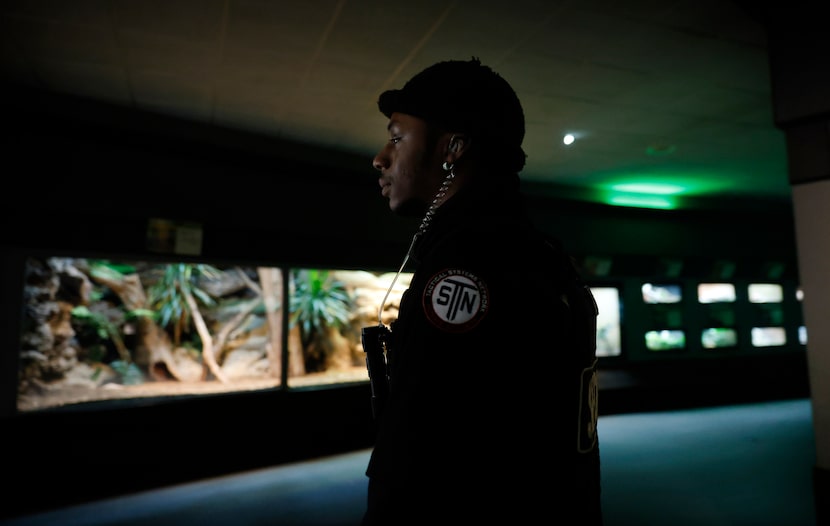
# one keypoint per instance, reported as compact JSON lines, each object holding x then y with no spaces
{"x":491,"y":411}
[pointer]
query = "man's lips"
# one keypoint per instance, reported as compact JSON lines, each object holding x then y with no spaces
{"x":384,"y":188}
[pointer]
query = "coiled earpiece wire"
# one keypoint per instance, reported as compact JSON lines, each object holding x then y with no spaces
{"x":439,"y":196}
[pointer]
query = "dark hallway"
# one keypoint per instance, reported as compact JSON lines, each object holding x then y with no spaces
{"x":737,"y":465}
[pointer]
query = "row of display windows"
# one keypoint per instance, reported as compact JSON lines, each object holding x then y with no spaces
{"x":716,"y":338}
{"x":715,"y":293}
{"x":225,"y":323}
{"x":663,"y":307}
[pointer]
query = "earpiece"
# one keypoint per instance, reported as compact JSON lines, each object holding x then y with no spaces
{"x":453,"y":146}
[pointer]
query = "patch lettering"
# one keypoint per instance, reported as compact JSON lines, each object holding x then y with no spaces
{"x":455,"y":300}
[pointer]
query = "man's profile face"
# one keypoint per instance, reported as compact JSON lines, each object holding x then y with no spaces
{"x":409,"y":165}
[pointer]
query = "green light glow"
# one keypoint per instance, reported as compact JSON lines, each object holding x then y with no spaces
{"x":641,"y":201}
{"x":650,"y":188}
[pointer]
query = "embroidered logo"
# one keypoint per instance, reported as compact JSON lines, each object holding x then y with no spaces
{"x":455,"y":300}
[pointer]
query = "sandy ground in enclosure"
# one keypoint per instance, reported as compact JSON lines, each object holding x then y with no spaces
{"x":61,"y":395}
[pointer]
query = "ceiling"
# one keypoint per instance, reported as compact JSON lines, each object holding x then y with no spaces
{"x":676,"y":92}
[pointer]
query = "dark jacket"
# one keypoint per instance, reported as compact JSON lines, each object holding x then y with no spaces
{"x":493,"y":391}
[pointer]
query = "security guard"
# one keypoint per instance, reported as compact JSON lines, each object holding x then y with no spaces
{"x":491,"y":411}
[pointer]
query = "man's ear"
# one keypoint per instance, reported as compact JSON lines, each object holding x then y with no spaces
{"x":457,"y":144}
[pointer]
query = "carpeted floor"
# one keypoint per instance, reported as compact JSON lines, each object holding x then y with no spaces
{"x":740,"y":465}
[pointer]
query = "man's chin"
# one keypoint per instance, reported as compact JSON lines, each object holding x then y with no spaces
{"x":409,"y":208}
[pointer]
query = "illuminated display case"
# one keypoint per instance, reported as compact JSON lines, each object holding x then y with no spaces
{"x":609,"y":324}
{"x":96,"y":330}
{"x":767,"y":314}
{"x":718,"y":302}
{"x":663,"y":301}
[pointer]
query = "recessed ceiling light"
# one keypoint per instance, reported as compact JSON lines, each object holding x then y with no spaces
{"x":568,"y":139}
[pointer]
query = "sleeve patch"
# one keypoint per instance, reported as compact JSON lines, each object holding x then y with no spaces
{"x":588,"y":409}
{"x":455,"y":300}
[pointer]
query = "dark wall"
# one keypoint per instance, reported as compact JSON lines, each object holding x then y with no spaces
{"x":84,"y":183}
{"x":61,"y":457}
{"x":86,"y":177}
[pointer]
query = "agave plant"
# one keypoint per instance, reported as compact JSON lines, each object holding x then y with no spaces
{"x":318,"y":303}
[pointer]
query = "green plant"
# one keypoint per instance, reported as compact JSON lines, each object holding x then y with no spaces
{"x":102,"y":327}
{"x":168,"y":297}
{"x":318,"y":302}
{"x":106,"y":330}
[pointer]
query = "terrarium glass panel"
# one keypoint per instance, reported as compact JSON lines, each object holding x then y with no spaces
{"x":103,"y":329}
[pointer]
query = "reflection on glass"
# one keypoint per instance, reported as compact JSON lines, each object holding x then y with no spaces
{"x":716,"y":293}
{"x":718,"y":337}
{"x":768,"y":336}
{"x":765,"y":293}
{"x":608,"y":321}
{"x":653,"y":293}
{"x":802,"y":335}
{"x":665,"y":340}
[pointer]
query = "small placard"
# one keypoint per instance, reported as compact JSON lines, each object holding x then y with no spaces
{"x":189,"y":239}
{"x":166,"y":236}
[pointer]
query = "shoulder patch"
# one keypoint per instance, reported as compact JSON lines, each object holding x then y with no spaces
{"x":455,"y":300}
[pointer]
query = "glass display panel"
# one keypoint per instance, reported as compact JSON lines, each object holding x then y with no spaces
{"x":765,"y":293}
{"x":328,"y":310}
{"x":768,"y":336}
{"x":609,"y":341}
{"x":716,"y":293}
{"x":656,"y":293}
{"x":94,"y":330}
{"x":665,"y":340}
{"x":101,"y":329}
{"x":716,"y":338}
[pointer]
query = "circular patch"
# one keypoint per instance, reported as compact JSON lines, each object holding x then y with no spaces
{"x":455,"y":300}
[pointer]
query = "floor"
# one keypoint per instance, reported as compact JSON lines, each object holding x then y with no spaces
{"x":739,"y":465}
